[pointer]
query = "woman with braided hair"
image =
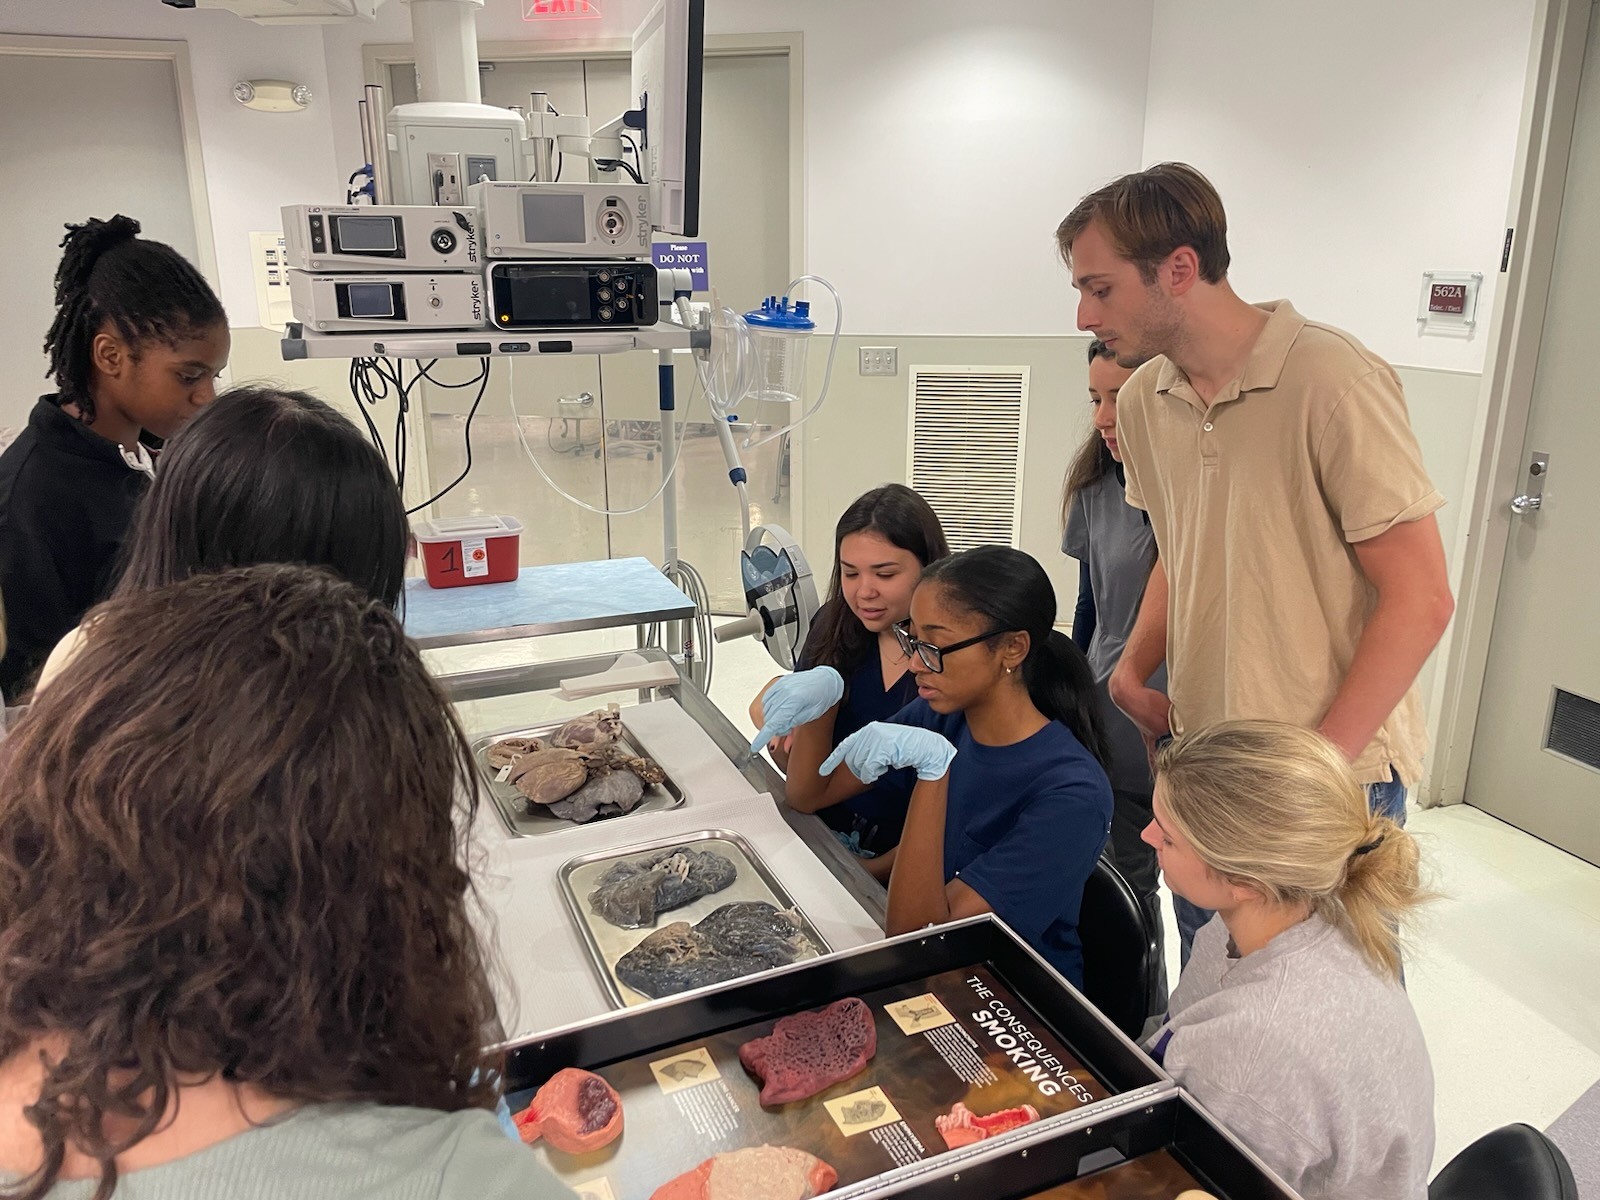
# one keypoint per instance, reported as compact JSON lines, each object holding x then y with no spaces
{"x":138,"y":338}
{"x":1291,"y":1024}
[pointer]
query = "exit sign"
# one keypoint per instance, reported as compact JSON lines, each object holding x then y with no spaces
{"x":557,"y":10}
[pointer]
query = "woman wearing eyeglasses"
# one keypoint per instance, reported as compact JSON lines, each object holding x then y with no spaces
{"x":1012,"y":805}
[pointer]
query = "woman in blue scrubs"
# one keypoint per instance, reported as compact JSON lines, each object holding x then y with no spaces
{"x":1012,"y":805}
{"x":881,"y":545}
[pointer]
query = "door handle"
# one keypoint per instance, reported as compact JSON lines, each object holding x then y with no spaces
{"x":582,"y":400}
{"x":1532,"y":497}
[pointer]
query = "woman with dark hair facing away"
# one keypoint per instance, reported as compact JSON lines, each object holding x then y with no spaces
{"x":264,"y":476}
{"x":137,"y":341}
{"x":1115,"y":549}
{"x":1290,"y":1023}
{"x":853,"y":670}
{"x":1012,"y":806}
{"x":234,"y":912}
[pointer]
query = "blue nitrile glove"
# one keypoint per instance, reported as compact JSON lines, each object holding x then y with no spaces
{"x":792,"y":700}
{"x":502,"y":1113}
{"x":874,"y":749}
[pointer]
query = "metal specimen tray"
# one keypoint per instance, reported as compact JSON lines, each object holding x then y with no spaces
{"x":513,"y":805}
{"x":607,"y":943}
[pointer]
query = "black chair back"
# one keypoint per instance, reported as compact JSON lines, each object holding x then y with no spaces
{"x":1120,"y":949}
{"x":1514,"y":1163}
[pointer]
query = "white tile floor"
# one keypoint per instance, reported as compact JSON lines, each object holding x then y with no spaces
{"x":1504,"y":967}
{"x":1504,"y":973}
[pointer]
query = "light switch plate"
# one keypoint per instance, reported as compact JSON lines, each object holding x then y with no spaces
{"x":880,"y":360}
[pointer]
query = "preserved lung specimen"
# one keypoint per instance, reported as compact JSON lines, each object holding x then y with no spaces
{"x":578,"y":785}
{"x":810,"y":1051}
{"x":507,"y":750}
{"x":630,"y":893}
{"x":545,"y":776}
{"x":590,"y":731}
{"x":736,"y":940}
{"x":615,"y":758}
{"x":759,"y":1173}
{"x":607,"y":795}
{"x":576,"y":1112}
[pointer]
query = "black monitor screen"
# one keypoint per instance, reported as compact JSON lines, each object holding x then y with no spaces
{"x":370,"y":299}
{"x":549,"y":297}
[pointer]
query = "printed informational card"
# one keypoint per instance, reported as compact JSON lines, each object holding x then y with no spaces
{"x":959,"y":1058}
{"x":686,"y":1070}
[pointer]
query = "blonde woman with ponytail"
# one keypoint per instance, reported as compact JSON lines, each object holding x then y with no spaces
{"x":1290,"y":1023}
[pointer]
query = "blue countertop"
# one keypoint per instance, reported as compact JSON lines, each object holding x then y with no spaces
{"x":561,"y":598}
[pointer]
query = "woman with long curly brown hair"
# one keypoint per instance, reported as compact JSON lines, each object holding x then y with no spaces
{"x":234,"y":911}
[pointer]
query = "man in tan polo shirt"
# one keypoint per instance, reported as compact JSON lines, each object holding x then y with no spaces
{"x":1301,"y":574}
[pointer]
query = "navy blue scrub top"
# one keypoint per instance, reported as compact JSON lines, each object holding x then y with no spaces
{"x":871,"y":823}
{"x":1024,"y":825}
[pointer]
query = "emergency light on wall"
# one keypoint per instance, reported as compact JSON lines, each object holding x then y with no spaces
{"x":272,"y":95}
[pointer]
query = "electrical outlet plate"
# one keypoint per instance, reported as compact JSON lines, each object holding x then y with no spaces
{"x":270,"y":267}
{"x":880,"y":360}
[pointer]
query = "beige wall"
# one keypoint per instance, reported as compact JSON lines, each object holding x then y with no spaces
{"x":257,"y":358}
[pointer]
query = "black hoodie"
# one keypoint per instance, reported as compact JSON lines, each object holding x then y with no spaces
{"x":67,"y":497}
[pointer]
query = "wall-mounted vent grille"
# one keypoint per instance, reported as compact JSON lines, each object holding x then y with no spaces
{"x":1575,"y":728}
{"x":966,"y":450}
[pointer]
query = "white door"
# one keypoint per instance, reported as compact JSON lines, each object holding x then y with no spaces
{"x":1536,"y":751}
{"x":81,"y":137}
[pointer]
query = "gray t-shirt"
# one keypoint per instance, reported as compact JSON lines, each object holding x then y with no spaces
{"x":1115,"y":540}
{"x":1312,"y":1058}
{"x":349,"y":1152}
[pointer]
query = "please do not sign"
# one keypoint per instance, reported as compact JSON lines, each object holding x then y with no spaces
{"x":684,"y":256}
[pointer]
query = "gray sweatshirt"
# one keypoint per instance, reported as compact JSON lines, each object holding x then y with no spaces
{"x":349,"y":1151}
{"x":1313,"y":1059}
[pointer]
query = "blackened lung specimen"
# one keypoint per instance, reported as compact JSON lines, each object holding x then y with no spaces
{"x":630,"y":893}
{"x":733,"y":941}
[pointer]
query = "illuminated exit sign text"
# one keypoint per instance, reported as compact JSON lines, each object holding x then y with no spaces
{"x":557,"y":10}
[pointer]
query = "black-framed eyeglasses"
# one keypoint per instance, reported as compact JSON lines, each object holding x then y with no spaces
{"x":933,"y":656}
